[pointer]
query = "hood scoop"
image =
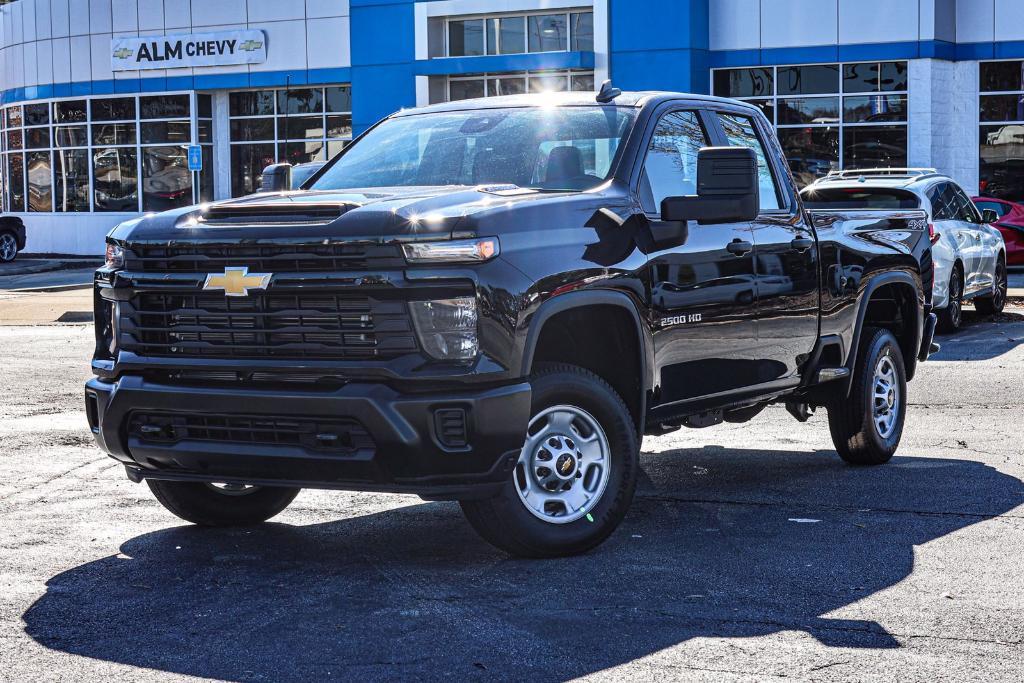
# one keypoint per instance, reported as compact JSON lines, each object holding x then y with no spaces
{"x":272,"y":214}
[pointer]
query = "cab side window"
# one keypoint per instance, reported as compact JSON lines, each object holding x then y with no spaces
{"x":670,"y":169}
{"x":740,"y":132}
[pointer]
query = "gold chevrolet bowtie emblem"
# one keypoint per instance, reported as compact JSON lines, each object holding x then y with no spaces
{"x":251,"y":45}
{"x":237,"y":281}
{"x":123,"y":53}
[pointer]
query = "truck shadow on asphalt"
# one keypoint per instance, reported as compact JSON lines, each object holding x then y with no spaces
{"x":719,"y":543}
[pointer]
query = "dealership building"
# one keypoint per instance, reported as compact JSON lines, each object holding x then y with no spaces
{"x":103,"y":99}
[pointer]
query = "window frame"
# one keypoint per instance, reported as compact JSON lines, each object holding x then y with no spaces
{"x":775,"y":100}
{"x":91,"y":146}
{"x":567,"y":12}
{"x":487,"y":77}
{"x":280,"y":119}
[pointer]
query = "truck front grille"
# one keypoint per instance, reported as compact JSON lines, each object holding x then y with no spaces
{"x":334,"y":435}
{"x":203,"y":258}
{"x":282,"y":326}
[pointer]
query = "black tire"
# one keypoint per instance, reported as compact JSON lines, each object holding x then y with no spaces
{"x":951,"y":317}
{"x":8,"y":246}
{"x":208,"y":505}
{"x":506,"y":522}
{"x":855,"y":433}
{"x":994,"y":305}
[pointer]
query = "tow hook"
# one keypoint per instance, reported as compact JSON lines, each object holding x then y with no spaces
{"x":801,"y":411}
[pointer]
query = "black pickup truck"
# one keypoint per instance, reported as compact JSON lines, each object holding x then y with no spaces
{"x":491,"y":301}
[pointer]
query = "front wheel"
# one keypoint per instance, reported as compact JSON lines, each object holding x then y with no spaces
{"x":221,"y":504}
{"x":867,"y":426}
{"x":576,"y":472}
{"x":994,"y":305}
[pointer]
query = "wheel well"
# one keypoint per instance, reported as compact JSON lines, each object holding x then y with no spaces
{"x":894,"y":307}
{"x":602,"y":339}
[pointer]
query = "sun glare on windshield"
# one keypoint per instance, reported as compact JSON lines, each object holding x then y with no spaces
{"x":546,"y":147}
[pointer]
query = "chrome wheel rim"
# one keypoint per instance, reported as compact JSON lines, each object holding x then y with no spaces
{"x":565,"y":465}
{"x":1002,"y":284}
{"x":233,"y":489}
{"x":8,"y":247}
{"x":885,"y":397}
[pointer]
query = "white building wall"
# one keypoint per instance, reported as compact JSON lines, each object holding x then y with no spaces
{"x":756,"y":24}
{"x":45,"y":42}
{"x":943,"y":121}
{"x":61,"y":41}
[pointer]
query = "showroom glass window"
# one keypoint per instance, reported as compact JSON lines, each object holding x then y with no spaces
{"x":297,"y":125}
{"x":517,"y":34}
{"x":517,"y":83}
{"x":509,"y":34}
{"x":829,"y":116}
{"x":119,"y":154}
{"x":1001,"y":153}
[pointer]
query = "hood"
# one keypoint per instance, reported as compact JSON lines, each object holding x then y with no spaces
{"x":373,"y":215}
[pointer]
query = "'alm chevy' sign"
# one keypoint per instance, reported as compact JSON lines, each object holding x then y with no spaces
{"x":197,"y":49}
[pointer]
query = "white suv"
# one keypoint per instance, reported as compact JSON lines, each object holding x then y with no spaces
{"x":969,"y":254}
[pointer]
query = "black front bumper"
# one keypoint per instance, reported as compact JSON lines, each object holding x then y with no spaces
{"x":407,"y":453}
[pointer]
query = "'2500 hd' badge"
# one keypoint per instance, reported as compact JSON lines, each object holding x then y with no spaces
{"x":680,"y":320}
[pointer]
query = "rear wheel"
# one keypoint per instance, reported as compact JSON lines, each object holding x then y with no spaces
{"x":221,"y":504}
{"x":994,"y":305}
{"x":576,"y":472}
{"x":8,"y":247}
{"x":951,"y":316}
{"x":867,"y":426}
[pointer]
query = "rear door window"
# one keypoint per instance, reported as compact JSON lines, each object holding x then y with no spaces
{"x":741,"y":132}
{"x":944,"y":203}
{"x":965,"y":209}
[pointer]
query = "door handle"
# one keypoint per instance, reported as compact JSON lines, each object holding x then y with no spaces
{"x":739,"y":247}
{"x":802,"y":244}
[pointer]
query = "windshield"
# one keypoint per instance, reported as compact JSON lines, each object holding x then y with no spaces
{"x":859,"y":198}
{"x":546,"y":148}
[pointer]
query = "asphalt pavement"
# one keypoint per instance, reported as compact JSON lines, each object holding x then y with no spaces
{"x":751,"y":553}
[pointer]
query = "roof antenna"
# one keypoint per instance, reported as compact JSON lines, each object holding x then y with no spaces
{"x":608,"y":92}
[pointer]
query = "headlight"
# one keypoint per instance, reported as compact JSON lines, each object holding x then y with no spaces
{"x":458,"y":251}
{"x":115,"y":256}
{"x":447,"y":328}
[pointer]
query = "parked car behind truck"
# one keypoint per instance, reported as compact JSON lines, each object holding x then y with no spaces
{"x":491,"y":301}
{"x":12,"y":237}
{"x":968,"y":253}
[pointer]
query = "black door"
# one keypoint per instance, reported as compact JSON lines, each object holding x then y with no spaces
{"x":785,"y":264}
{"x":702,"y":290}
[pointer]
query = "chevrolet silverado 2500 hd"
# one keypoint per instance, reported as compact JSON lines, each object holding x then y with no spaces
{"x":491,"y":301}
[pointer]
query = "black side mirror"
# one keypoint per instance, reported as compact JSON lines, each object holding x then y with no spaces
{"x":989,"y":216}
{"x":276,"y":178}
{"x":727,"y":189}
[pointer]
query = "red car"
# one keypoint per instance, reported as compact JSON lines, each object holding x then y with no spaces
{"x":1010,"y":223}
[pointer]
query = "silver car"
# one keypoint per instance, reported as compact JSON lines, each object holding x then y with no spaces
{"x":968,"y":253}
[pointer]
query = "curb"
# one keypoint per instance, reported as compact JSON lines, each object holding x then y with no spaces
{"x":52,"y":289}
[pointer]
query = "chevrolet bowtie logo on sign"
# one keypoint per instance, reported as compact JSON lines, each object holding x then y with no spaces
{"x":237,"y":281}
{"x":195,"y":49}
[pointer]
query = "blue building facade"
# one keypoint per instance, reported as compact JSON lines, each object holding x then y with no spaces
{"x":95,"y":129}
